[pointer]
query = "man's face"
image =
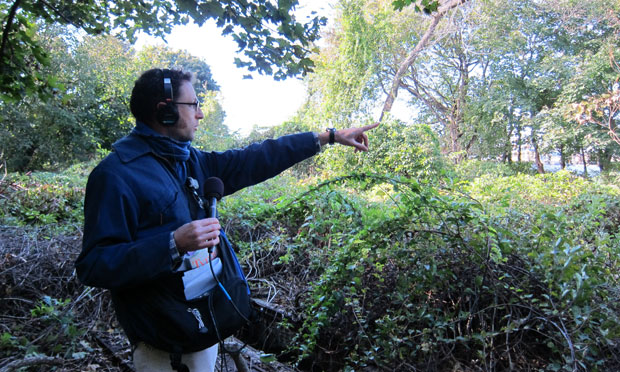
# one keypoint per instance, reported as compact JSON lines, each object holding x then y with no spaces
{"x":189,"y":115}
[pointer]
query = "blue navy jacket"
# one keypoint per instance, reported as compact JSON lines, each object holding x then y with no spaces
{"x":134,"y":200}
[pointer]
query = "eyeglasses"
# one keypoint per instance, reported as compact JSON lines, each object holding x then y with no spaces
{"x":196,"y":104}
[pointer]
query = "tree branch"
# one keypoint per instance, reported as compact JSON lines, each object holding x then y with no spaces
{"x":59,"y":13}
{"x":443,"y":9}
{"x":16,"y":364}
{"x":7,"y":29}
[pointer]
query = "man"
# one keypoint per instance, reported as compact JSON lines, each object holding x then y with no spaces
{"x":137,"y":221}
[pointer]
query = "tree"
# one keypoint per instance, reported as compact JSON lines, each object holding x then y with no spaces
{"x":485,"y":79}
{"x":597,"y":115}
{"x":362,"y":51}
{"x":167,"y":57}
{"x":532,"y":53}
{"x":89,"y":109}
{"x":372,"y":53}
{"x":271,"y":39}
{"x":97,"y":86}
{"x":602,"y":110}
{"x":602,"y":105}
{"x":213,"y":134}
{"x":439,"y":84}
{"x":442,"y":9}
{"x":585,"y":111}
{"x":347,"y":67}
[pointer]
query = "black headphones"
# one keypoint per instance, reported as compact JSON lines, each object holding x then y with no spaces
{"x":169,"y":114}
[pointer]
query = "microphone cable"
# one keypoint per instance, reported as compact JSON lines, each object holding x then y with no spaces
{"x":213,"y":319}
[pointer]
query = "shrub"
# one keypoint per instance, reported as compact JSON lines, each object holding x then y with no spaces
{"x":44,"y":197}
{"x":472,"y":169}
{"x":431,"y":279}
{"x":395,"y":148}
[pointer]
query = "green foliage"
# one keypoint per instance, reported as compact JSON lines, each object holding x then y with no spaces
{"x":10,"y":342}
{"x":354,"y":68}
{"x":511,"y":272}
{"x":611,"y":178}
{"x":272,"y":40}
{"x":537,"y":53}
{"x":97,"y":81}
{"x":472,"y":169}
{"x":57,"y":315}
{"x":288,"y":127}
{"x":16,"y":57}
{"x":427,"y":6}
{"x":89,"y":109}
{"x":44,"y":198}
{"x":395,"y":148}
{"x":62,"y":334}
{"x":295,"y":125}
{"x":212,"y":134}
{"x":580,"y":119}
{"x":495,"y":79}
{"x":346,"y":67}
{"x":163,"y":56}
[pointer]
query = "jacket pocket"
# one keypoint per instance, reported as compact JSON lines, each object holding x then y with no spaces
{"x":167,"y":208}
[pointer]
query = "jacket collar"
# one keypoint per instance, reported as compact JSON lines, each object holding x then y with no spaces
{"x":131,"y":147}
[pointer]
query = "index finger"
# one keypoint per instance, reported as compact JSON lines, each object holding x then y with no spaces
{"x":370,"y":126}
{"x":208,"y":221}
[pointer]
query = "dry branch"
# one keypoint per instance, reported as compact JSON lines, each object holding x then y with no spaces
{"x":253,"y":357}
{"x":33,"y":361}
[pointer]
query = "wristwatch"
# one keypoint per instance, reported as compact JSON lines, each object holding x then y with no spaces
{"x":174,"y":251}
{"x":332,"y":135}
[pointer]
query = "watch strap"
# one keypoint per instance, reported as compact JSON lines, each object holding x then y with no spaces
{"x":332,"y":135}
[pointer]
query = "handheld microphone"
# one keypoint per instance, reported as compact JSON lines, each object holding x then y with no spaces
{"x":214,"y":189}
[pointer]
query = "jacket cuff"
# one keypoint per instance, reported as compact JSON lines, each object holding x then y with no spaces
{"x":174,"y":251}
{"x":317,"y":142}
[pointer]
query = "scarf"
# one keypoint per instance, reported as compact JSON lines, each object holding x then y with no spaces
{"x":166,"y":147}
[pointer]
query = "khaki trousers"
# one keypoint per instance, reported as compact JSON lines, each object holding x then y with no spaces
{"x":148,"y":359}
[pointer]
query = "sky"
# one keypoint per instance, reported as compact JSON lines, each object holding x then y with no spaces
{"x":260,"y":101}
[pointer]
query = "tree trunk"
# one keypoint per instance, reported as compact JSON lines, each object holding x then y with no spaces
{"x":507,"y":154}
{"x":539,"y":165}
{"x":453,"y":130}
{"x":562,"y":157}
{"x":458,"y":113}
{"x":518,"y":144}
{"x":604,"y":159}
{"x":585,"y":163}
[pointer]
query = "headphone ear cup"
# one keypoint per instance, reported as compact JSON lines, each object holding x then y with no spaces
{"x":168,"y":115}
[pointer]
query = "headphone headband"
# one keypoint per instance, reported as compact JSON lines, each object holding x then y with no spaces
{"x":167,"y":85}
